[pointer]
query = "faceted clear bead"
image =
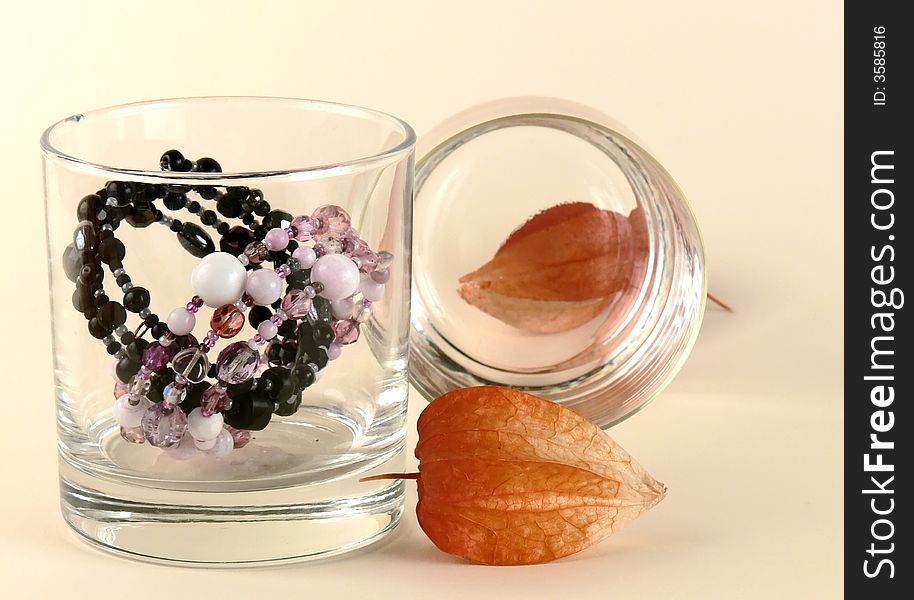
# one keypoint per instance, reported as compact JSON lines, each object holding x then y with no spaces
{"x":385,"y":259}
{"x":164,"y":425}
{"x":192,"y":364}
{"x":174,"y":394}
{"x":241,"y":437}
{"x":134,"y":435}
{"x":237,"y":363}
{"x":296,"y":304}
{"x":347,"y":332}
{"x":332,"y":219}
{"x":138,"y":387}
{"x":213,"y":400}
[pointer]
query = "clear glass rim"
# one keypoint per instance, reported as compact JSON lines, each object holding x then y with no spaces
{"x":362,"y":162}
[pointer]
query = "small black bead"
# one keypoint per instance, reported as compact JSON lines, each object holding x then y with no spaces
{"x":141,"y":216}
{"x":136,"y":299}
{"x":112,"y":348}
{"x":195,"y":240}
{"x":288,"y":353}
{"x":274,"y":355}
{"x":277,"y":218}
{"x":235,"y":240}
{"x":176,"y":226}
{"x":151,"y":320}
{"x":128,"y":338}
{"x":111,"y":250}
{"x":282,"y":383}
{"x":251,"y":411}
{"x":135,"y":349}
{"x":288,"y":406}
{"x":208,"y":165}
{"x":288,"y":328}
{"x":194,"y":207}
{"x":303,"y":375}
{"x":100,"y":300}
{"x":126,"y":368}
{"x":223,"y":228}
{"x":208,"y":217}
{"x":91,"y":275}
{"x":299,"y":280}
{"x":260,"y":232}
{"x":112,"y":314}
{"x":174,"y":201}
{"x":88,"y":208}
{"x":172,"y":160}
{"x":207,"y":192}
{"x":247,"y":219}
{"x":258,"y":314}
{"x":97,"y":329}
{"x":323,"y":335}
{"x":158,"y":330}
{"x":122,"y":279}
{"x":122,"y":191}
{"x":228,"y":206}
{"x":278,"y":258}
{"x":194,"y":396}
{"x":262,"y":209}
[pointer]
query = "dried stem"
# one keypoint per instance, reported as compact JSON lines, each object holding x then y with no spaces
{"x":719,"y":302}
{"x":390,"y":476}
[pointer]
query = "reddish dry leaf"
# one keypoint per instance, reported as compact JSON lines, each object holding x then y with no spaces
{"x":507,"y":478}
{"x":559,"y":269}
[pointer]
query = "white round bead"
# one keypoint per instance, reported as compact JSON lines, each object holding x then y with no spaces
{"x":371,"y":289}
{"x":264,"y":286}
{"x":338,"y":274}
{"x":183,"y":450}
{"x":181,"y":321}
{"x":127,"y":415}
{"x":202,"y":427}
{"x":223,"y":446}
{"x":342,"y":309}
{"x":219,"y":279}
{"x":205,"y":444}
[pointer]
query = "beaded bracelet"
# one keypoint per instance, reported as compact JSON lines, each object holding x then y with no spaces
{"x":162,"y":395}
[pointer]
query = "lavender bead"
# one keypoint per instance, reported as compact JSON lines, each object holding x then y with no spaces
{"x":223,"y":446}
{"x":371,"y":289}
{"x":276,"y":239}
{"x":341,"y":309}
{"x":305,"y":256}
{"x":334,"y":351}
{"x":337,"y":274}
{"x":202,"y":426}
{"x":181,"y":321}
{"x":237,"y":363}
{"x":264,"y":286}
{"x":267,"y":329}
{"x":164,"y":425}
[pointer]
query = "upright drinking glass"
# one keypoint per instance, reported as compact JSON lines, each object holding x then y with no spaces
{"x":292,"y":490}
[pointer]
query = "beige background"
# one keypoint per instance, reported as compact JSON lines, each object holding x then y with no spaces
{"x":743,"y":104}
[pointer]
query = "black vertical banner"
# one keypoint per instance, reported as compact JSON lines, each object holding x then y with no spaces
{"x":878,"y":374}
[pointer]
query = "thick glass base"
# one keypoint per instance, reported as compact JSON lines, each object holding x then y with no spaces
{"x":229,"y":528}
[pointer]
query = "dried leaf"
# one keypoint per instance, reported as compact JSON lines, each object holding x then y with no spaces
{"x":559,"y":269}
{"x":507,"y":478}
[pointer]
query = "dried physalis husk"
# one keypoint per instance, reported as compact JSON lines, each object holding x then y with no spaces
{"x":507,"y":478}
{"x":560,"y":269}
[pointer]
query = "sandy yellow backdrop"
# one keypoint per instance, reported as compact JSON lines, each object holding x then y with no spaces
{"x":742,"y":102}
